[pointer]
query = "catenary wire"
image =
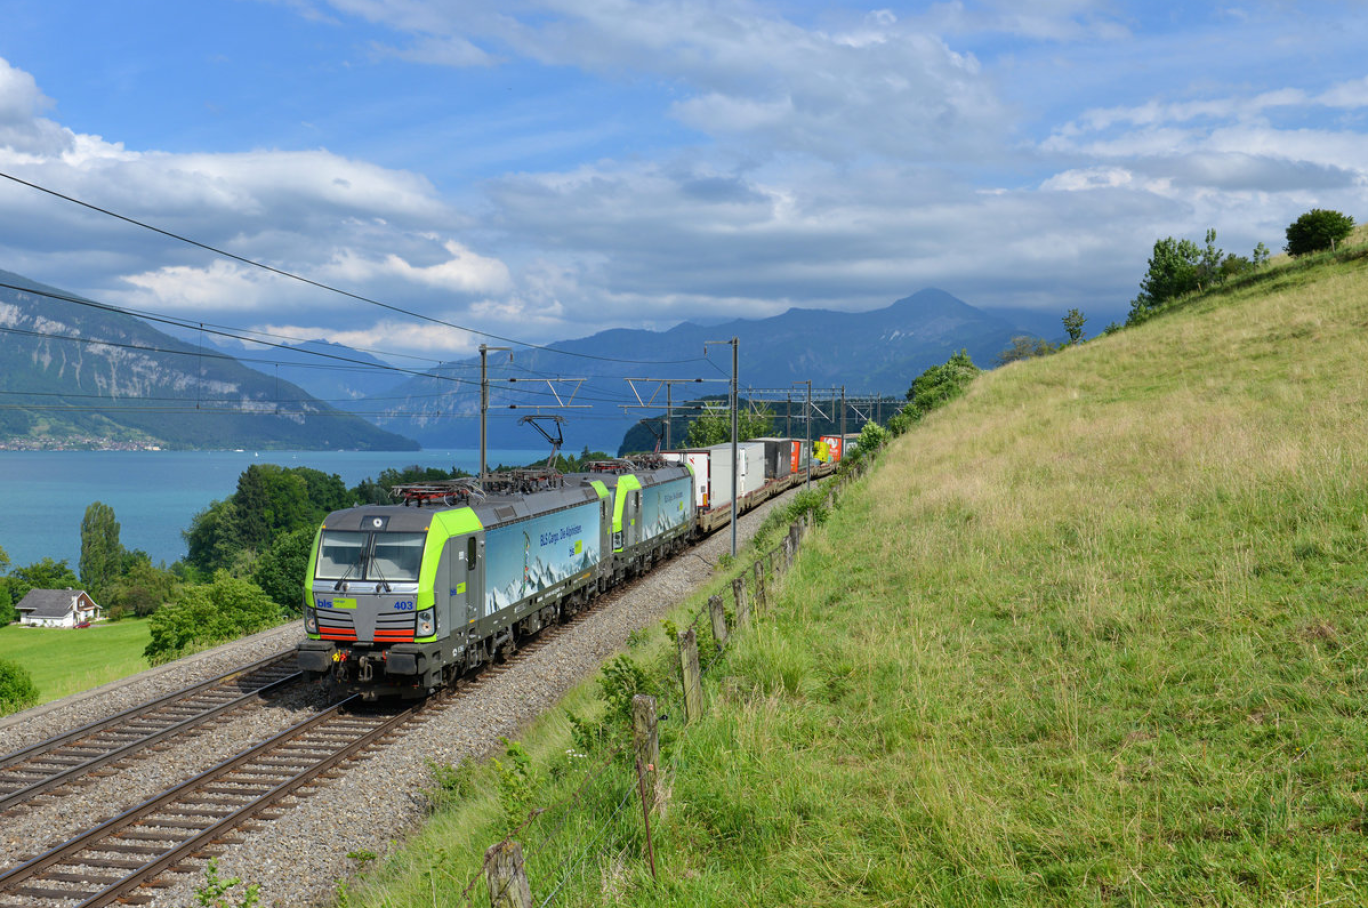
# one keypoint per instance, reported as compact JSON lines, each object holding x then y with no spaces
{"x":322,"y":286}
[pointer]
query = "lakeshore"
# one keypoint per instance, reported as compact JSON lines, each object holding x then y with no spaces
{"x":155,"y":494}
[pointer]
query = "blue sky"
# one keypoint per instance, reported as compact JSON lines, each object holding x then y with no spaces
{"x":544,"y":169}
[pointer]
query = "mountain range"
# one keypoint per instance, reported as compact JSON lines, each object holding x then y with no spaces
{"x":874,"y":352}
{"x":81,"y":374}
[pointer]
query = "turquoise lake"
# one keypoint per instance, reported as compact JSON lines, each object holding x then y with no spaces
{"x":154,"y":494}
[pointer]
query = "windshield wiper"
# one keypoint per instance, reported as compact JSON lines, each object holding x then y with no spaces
{"x":375,"y":569}
{"x":341,"y":584}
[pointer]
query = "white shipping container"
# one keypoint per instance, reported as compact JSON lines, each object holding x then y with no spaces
{"x":713,"y":476}
{"x":700,"y":461}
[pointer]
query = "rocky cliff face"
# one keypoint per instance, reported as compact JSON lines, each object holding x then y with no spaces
{"x":79,"y":374}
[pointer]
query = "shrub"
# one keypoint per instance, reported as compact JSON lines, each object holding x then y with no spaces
{"x":940,"y":384}
{"x":1026,"y":347}
{"x":17,"y":690}
{"x":224,"y":610}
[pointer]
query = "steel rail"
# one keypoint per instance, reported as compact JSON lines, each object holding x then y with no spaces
{"x":99,"y":725}
{"x":147,"y":870}
{"x":19,"y":796}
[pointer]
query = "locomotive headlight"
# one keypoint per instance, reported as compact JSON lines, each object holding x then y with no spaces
{"x":427,"y":623}
{"x":310,"y":620}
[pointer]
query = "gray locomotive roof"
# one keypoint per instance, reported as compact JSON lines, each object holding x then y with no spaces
{"x":492,"y":510}
{"x":647,"y":477}
{"x":499,"y":509}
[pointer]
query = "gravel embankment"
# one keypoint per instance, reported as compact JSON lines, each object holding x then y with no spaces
{"x":299,"y":859}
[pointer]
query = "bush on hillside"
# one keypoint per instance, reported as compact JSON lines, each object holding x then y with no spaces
{"x":1317,"y":230}
{"x":941,"y":384}
{"x":1026,"y":347}
{"x":17,"y":690}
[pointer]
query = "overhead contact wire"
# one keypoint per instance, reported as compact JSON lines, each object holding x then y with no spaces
{"x":322,"y":286}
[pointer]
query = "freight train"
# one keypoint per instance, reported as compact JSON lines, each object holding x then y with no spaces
{"x":402,"y":599}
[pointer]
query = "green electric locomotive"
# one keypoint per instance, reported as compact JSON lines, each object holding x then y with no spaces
{"x":401,"y":599}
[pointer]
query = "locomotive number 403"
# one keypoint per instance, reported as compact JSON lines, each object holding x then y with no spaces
{"x":406,"y":606}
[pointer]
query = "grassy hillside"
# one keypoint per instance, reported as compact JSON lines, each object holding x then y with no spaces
{"x":1093,"y":635}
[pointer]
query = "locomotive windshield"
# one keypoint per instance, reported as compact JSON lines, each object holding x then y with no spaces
{"x":380,"y":557}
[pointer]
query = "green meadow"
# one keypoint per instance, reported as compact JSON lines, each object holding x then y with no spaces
{"x":1094,"y":634}
{"x":65,"y":661}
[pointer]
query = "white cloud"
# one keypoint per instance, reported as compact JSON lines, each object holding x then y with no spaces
{"x":220,"y":286}
{"x":464,"y":272}
{"x":1090,"y":178}
{"x":22,"y":129}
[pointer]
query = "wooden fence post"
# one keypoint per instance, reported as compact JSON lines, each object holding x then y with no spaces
{"x":759,"y":586}
{"x":742,"y":606}
{"x":506,"y":876}
{"x":693,"y":677}
{"x":646,"y":740}
{"x":719,"y":620}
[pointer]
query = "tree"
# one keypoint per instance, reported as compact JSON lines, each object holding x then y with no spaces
{"x":284,"y":567}
{"x":1173,"y":272}
{"x":713,"y":427}
{"x":1073,"y":323}
{"x":7,"y":612}
{"x":41,"y":575}
{"x":17,"y":690}
{"x":270,"y":501}
{"x":1316,"y":230}
{"x":101,"y":553}
{"x":1261,"y":255}
{"x":142,"y":589}
{"x":1209,"y":263}
{"x":212,"y":539}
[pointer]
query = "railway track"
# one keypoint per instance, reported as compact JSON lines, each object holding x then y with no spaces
{"x":71,"y":757}
{"x":112,"y":860}
{"x":108,"y":863}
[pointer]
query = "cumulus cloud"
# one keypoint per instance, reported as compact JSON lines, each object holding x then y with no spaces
{"x":218,"y":287}
{"x":463,"y":272}
{"x":22,"y":129}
